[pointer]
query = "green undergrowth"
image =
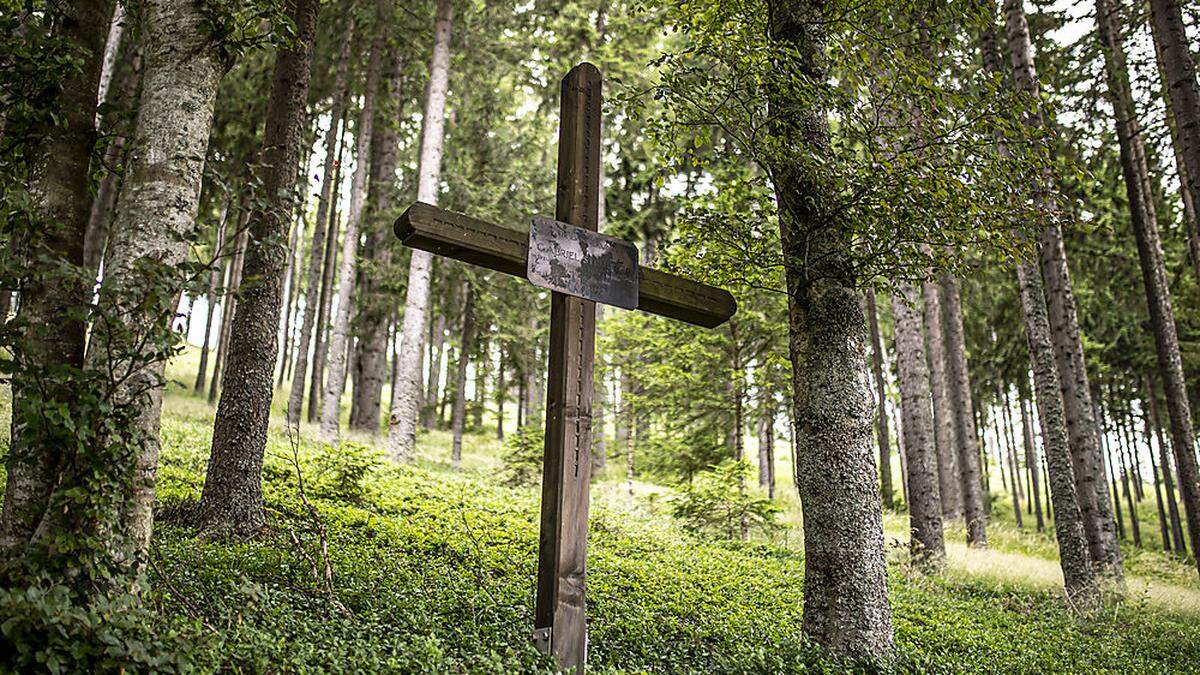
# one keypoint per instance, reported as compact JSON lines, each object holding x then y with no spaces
{"x":435,"y":570}
{"x":432,"y":570}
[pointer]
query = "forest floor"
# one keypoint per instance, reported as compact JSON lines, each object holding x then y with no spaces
{"x":432,"y":570}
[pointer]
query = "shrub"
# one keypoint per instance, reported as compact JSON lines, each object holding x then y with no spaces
{"x":523,"y":452}
{"x":342,"y":473}
{"x":45,"y":628}
{"x":716,"y":502}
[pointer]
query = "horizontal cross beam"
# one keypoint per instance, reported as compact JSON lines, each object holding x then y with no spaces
{"x":458,"y":236}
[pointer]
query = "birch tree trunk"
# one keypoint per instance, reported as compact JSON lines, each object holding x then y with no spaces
{"x":943,"y":428}
{"x":339,"y":340}
{"x":846,"y":607}
{"x":881,"y":421}
{"x":963,"y":413}
{"x":458,"y":416}
{"x":402,"y":423}
{"x":928,"y":546}
{"x":232,"y":496}
{"x":52,"y":303}
{"x":316,"y":253}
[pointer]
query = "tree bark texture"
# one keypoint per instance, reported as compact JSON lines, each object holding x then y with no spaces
{"x":51,"y":306}
{"x":402,"y":423}
{"x":375,"y":304}
{"x":846,"y":608}
{"x":1168,"y":30}
{"x":458,"y":417}
{"x":1078,"y":575}
{"x":325,"y":297}
{"x":1178,"y":67}
{"x":963,"y":413}
{"x":232,"y":496}
{"x":316,"y":252}
{"x":1068,"y":348}
{"x":925,"y":511}
{"x":945,"y":439}
{"x":121,"y":97}
{"x":881,"y":423}
{"x":340,"y":338}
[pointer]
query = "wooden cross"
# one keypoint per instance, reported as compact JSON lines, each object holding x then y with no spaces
{"x":580,"y":267}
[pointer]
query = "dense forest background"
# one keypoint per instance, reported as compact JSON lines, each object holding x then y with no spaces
{"x":951,"y":426}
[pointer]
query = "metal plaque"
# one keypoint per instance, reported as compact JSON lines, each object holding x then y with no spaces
{"x":579,"y":262}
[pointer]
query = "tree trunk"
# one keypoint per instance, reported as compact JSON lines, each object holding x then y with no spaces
{"x":766,"y":449}
{"x":1173,"y":49}
{"x":120,"y":98}
{"x":502,"y":396}
{"x":1083,"y":439}
{"x":846,"y":607}
{"x":1168,"y":479}
{"x":600,"y":395}
{"x":159,"y":199}
{"x":924,"y":503}
{"x":434,"y":385}
{"x":1169,"y":32}
{"x":945,"y":440}
{"x":458,"y":418}
{"x":375,"y":305}
{"x":1135,"y":475}
{"x":1123,"y":458}
{"x":963,"y":413}
{"x":1011,"y":442}
{"x":289,"y":291}
{"x":325,"y":299}
{"x":52,"y":303}
{"x":232,"y":496}
{"x":481,"y":377}
{"x":1031,"y":463}
{"x":1163,"y":524}
{"x":229,"y":307}
{"x":340,"y":339}
{"x":881,"y":423}
{"x":318,"y":253}
{"x":402,"y":423}
{"x":1112,"y":476}
{"x":1078,"y":574}
{"x":220,"y":264}
{"x":1070,"y":372}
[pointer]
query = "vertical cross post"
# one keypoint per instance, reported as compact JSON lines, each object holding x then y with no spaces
{"x":559,"y":620}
